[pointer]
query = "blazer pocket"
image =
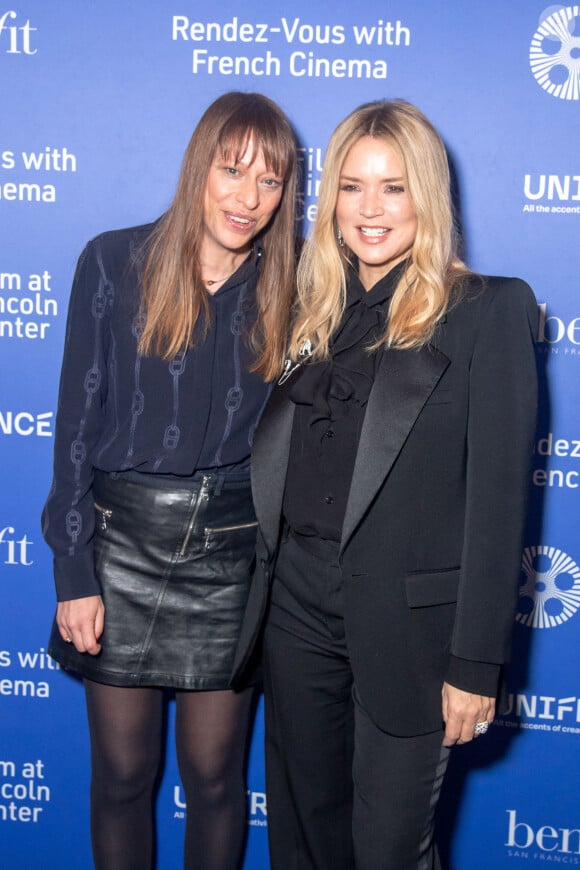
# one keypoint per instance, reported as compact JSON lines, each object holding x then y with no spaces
{"x":426,"y":588}
{"x":440,"y":397}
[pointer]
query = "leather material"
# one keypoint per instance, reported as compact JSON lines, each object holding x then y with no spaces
{"x":174,"y":566}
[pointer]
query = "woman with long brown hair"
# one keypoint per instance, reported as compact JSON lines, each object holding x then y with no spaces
{"x":175,"y":330}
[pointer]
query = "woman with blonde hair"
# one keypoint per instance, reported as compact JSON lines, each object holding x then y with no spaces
{"x":390,"y":470}
{"x":175,"y":332}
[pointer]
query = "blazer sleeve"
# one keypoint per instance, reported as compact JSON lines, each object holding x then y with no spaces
{"x":68,"y":515}
{"x":501,"y":427}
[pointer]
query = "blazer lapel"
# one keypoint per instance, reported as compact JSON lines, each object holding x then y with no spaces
{"x":403,"y":383}
{"x":270,"y":461}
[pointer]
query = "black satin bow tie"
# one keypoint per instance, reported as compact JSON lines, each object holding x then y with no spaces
{"x":347,"y":377}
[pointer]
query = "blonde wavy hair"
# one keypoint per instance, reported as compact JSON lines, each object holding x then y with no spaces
{"x":423,"y":292}
{"x":173,"y":297}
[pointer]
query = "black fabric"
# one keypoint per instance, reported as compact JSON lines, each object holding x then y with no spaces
{"x":438,"y":487}
{"x":125,"y":727}
{"x":210,"y":734}
{"x":211,"y":730}
{"x":174,"y":564}
{"x":118,"y":410}
{"x":331,"y":398}
{"x":341,"y":792}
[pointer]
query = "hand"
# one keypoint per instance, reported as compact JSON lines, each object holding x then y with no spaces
{"x":81,"y":622}
{"x":461,"y":711}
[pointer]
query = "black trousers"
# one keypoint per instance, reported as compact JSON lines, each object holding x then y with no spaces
{"x":341,"y":792}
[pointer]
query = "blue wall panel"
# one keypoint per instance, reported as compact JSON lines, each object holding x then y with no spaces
{"x":98,"y":101}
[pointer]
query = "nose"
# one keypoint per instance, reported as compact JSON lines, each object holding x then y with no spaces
{"x":370,"y":204}
{"x":248,"y":193}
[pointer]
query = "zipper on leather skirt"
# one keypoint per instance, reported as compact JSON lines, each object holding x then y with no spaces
{"x":203,"y":495}
{"x":221,"y":529}
{"x":105,"y":514}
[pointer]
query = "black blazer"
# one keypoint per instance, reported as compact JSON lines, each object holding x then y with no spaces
{"x":432,"y":536}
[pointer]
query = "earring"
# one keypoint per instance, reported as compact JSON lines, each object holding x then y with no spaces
{"x":339,"y":238}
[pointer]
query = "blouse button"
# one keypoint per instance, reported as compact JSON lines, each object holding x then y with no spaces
{"x":329,"y":499}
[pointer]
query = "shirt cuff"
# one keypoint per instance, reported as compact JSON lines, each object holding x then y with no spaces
{"x":74,"y":576}
{"x":479,"y":678}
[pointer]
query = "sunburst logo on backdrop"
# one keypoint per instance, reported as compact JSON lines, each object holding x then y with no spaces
{"x":550,"y":588}
{"x":555,"y":52}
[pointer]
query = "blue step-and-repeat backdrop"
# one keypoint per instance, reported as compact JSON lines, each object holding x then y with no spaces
{"x":97,"y":103}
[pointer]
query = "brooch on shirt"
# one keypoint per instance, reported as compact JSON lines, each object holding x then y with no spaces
{"x":290,"y":366}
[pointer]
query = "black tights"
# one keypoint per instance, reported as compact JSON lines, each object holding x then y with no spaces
{"x":126,"y":736}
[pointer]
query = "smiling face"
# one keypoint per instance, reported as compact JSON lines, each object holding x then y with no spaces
{"x":373,"y":209}
{"x":240,"y":198}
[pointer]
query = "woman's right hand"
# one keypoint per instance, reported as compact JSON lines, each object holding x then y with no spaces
{"x":81,"y":621}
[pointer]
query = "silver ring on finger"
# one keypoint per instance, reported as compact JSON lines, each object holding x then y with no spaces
{"x":480,"y":728}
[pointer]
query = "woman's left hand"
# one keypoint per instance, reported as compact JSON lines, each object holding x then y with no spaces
{"x":462,"y":711}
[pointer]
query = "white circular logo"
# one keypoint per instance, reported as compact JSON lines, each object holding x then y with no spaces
{"x":555,"y":52}
{"x":550,"y":588}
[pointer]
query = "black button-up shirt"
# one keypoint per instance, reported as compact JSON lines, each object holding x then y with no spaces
{"x":331,"y":398}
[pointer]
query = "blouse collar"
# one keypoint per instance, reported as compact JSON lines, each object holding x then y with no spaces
{"x":379,"y":292}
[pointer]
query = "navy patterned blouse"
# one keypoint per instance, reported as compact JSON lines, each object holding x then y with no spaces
{"x":118,"y":410}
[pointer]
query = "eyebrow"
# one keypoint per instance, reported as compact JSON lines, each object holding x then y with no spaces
{"x":383,"y":180}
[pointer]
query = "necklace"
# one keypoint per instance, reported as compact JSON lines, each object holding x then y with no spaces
{"x":211,"y":281}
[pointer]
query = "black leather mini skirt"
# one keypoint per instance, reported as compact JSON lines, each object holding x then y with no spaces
{"x":174,"y":561}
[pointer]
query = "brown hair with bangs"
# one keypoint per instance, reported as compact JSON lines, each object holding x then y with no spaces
{"x":174,"y":298}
